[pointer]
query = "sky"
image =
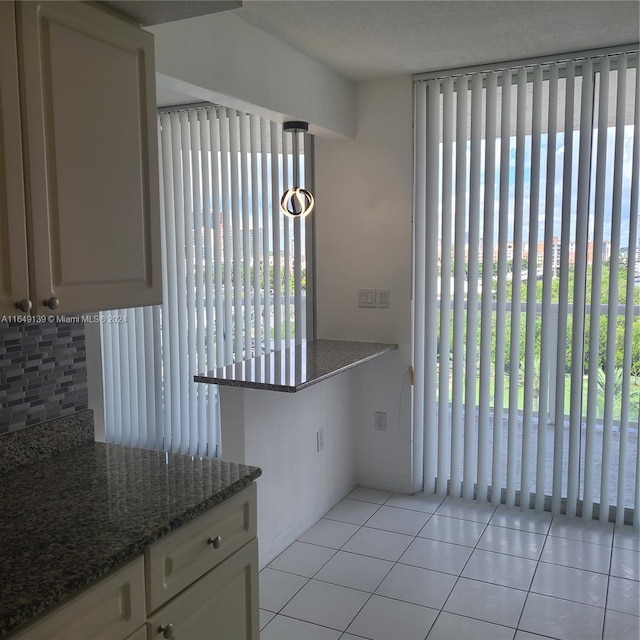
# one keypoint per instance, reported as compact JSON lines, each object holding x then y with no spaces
{"x":607,"y":159}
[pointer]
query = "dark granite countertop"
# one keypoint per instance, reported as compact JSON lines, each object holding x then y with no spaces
{"x":296,"y":367}
{"x":69,"y":520}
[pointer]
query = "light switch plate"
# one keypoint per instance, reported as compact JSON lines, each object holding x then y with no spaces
{"x":383,"y":298}
{"x":367,"y":298}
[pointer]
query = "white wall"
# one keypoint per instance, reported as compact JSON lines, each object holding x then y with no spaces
{"x":363,"y":225}
{"x":363,"y":239}
{"x":298,"y":484}
{"x":222,"y":58}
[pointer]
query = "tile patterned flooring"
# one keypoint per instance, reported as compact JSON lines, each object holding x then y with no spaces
{"x":385,"y":566}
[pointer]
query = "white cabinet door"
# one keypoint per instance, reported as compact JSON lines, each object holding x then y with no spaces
{"x":14,"y":273}
{"x":90,"y":135}
{"x":140,"y":634}
{"x":111,"y":610}
{"x":222,"y":605}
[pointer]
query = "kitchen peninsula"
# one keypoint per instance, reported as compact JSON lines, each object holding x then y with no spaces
{"x":303,"y":436}
{"x":296,"y":367}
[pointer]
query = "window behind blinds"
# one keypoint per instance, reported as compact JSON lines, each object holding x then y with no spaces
{"x":234,"y":278}
{"x":527,"y":288}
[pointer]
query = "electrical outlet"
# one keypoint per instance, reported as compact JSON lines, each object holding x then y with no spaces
{"x":380,"y":421}
{"x":320,"y":440}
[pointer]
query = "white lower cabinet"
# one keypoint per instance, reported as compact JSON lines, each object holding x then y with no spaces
{"x":178,"y":560}
{"x":202,"y":580}
{"x":140,"y":634}
{"x":198,"y":583}
{"x":219,"y":606}
{"x":111,"y":609}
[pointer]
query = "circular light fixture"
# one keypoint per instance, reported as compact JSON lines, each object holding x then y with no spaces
{"x":296,"y":202}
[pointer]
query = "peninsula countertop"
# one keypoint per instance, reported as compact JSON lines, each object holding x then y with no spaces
{"x":296,"y":367}
{"x":73,"y":518}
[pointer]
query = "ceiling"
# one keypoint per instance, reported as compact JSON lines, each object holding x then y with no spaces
{"x":149,"y":12}
{"x":364,"y":39}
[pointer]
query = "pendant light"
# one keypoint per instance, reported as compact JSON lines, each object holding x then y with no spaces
{"x":296,"y":202}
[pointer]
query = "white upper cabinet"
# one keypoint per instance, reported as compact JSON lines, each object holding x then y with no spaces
{"x":14,"y":285}
{"x":87,"y":89}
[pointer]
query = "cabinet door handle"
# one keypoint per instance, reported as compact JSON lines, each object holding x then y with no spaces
{"x":216,"y":542}
{"x":51,"y":302}
{"x":24,"y":305}
{"x":166,"y":630}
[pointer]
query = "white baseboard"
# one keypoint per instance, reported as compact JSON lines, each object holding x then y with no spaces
{"x":395,"y":484}
{"x":277,"y":546}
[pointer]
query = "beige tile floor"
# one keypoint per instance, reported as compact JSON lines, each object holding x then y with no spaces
{"x":392,"y":567}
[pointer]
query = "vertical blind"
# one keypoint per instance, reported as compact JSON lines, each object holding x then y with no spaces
{"x":234,"y":278}
{"x":527,"y":284}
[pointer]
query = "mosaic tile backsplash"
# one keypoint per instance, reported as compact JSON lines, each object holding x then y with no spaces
{"x":43,"y":373}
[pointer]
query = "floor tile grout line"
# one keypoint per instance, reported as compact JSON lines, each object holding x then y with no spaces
{"x":358,"y":612}
{"x":307,"y":577}
{"x":400,"y":533}
{"x":390,"y":570}
{"x":533,"y":577}
{"x":307,"y":580}
{"x":549,"y":535}
{"x":324,"y":626}
{"x":566,"y":566}
{"x":318,"y":571}
{"x":435,"y":513}
{"x":547,"y":595}
{"x":385,"y":576}
{"x":298,"y":574}
{"x":570,"y":566}
{"x":606,"y":598}
{"x":413,"y":604}
{"x":364,"y":604}
{"x":414,"y":537}
{"x":444,"y":604}
{"x":344,"y":633}
{"x":442,"y":609}
{"x":460,"y":615}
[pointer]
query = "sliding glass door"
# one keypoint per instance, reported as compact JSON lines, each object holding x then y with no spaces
{"x":527,"y":284}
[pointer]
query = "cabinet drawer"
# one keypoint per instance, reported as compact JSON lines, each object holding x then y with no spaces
{"x":111,"y":610}
{"x":222,"y":605}
{"x":181,"y":558}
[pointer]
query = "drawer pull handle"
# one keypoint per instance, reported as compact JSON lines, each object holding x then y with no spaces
{"x":166,"y":630}
{"x":216,"y":542}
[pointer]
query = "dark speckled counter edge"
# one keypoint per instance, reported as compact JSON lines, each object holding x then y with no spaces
{"x":261,"y":386}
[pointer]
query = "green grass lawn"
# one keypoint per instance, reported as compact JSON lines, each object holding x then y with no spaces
{"x":634,"y":409}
